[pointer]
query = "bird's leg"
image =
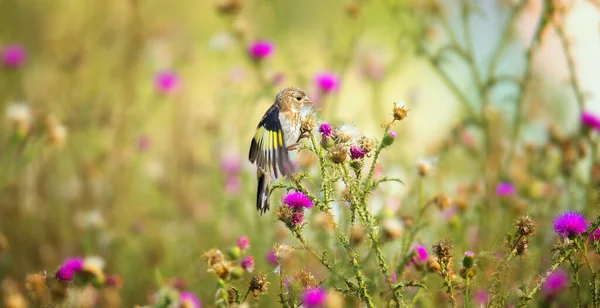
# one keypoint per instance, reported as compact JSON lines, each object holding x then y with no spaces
{"x":292,"y":147}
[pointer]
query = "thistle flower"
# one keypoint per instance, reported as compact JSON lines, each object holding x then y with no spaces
{"x":481,"y":297}
{"x":260,"y":49}
{"x":214,"y":256}
{"x":594,"y":235}
{"x":346,"y":133}
{"x":13,"y":56}
{"x":555,"y":283}
{"x":68,"y":269}
{"x":258,"y":285}
{"x":389,"y":138}
{"x":420,"y":254}
{"x":400,"y":111}
{"x":231,"y":164}
{"x":325,"y":130}
{"x":468,"y":259}
{"x":569,"y":224}
{"x":297,"y":200}
{"x":75,"y":264}
{"x":64,"y":273}
{"x":189,"y":300}
{"x":297,"y":218}
{"x":505,"y":189}
{"x":356,"y":152}
{"x":243,"y":242}
{"x":271,"y":258}
{"x":313,"y":297}
{"x":166,"y":82}
{"x":247,"y":264}
{"x":590,"y":120}
{"x":327,"y":81}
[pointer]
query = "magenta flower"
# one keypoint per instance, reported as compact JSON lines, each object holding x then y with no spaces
{"x":65,"y":273}
{"x":420,"y":255}
{"x":271,"y":258}
{"x":297,"y":218}
{"x":325,"y":130}
{"x":75,"y":264}
{"x":356,"y":152}
{"x":189,"y":300}
{"x":247,"y":264}
{"x":166,"y":82}
{"x":297,"y":200}
{"x":392,"y":134}
{"x":594,"y":235}
{"x":243,"y":242}
{"x":327,"y":81}
{"x":590,"y":120}
{"x":231,"y":165}
{"x":481,"y":297}
{"x":260,"y":49}
{"x":13,"y":56}
{"x":505,"y":189}
{"x":555,"y":283}
{"x":313,"y":297}
{"x":394,"y":277}
{"x":569,"y":224}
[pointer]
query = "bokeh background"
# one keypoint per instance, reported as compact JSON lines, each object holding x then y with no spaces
{"x":98,"y":157}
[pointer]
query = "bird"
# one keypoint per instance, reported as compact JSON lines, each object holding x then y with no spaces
{"x":278,"y":132}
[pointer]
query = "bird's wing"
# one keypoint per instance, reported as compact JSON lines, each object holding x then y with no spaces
{"x":267,"y":149}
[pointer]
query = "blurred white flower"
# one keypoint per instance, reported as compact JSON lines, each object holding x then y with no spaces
{"x":220,"y":41}
{"x":19,"y":114}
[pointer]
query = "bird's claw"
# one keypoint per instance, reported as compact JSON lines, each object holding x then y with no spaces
{"x":292,"y":147}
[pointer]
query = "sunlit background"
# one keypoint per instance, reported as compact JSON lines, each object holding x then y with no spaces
{"x":127,"y":124}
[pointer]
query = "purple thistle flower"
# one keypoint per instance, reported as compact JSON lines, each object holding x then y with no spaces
{"x":356,"y":152}
{"x":297,"y":218}
{"x":189,"y":300}
{"x":75,"y":264}
{"x":166,"y":82}
{"x":297,"y":200}
{"x":569,"y":224}
{"x":327,"y":81}
{"x":590,"y":120}
{"x":243,"y":242}
{"x":13,"y":56}
{"x":271,"y":258}
{"x":555,"y":283}
{"x":393,"y":277}
{"x":505,"y":189}
{"x":260,"y":49}
{"x":481,"y":297}
{"x":247,"y":264}
{"x":392,"y":134}
{"x":325,"y":130}
{"x":313,"y":297}
{"x":65,"y":273}
{"x":594,"y":235}
{"x":420,"y":255}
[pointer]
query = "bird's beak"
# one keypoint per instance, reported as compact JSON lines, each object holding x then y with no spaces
{"x":308,"y":101}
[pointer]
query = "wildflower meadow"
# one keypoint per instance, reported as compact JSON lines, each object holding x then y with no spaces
{"x":448,"y":153}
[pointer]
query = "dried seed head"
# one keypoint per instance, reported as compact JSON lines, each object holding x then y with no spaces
{"x":443,"y":251}
{"x":222,"y":269}
{"x":284,"y":213}
{"x":258,"y":285}
{"x":337,"y":153}
{"x":442,"y":201}
{"x":306,"y":279}
{"x":357,"y":234}
{"x":424,"y":167}
{"x":400,"y":111}
{"x":525,"y":226}
{"x":464,"y":272}
{"x":231,"y":295}
{"x":522,"y":246}
{"x":366,"y":144}
{"x":214,"y":256}
{"x":433,"y":265}
{"x":308,"y":122}
{"x":282,"y":252}
{"x":36,"y":285}
{"x":228,"y":6}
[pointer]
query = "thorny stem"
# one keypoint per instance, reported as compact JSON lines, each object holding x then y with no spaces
{"x":529,"y":296}
{"x":448,"y":282}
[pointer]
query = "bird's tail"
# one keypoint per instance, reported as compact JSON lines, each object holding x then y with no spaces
{"x":262,"y":193}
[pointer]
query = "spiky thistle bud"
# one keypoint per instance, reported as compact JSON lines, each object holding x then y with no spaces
{"x":443,"y":251}
{"x":258,"y":285}
{"x":525,"y":226}
{"x":337,"y":153}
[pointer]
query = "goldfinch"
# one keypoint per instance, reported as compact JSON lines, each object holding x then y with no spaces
{"x":277,"y":133}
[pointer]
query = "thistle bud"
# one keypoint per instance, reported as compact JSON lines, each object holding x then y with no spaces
{"x":237,"y":272}
{"x":338,"y":154}
{"x":258,"y":285}
{"x":327,"y":142}
{"x":433,"y":265}
{"x":234,"y":252}
{"x":468,"y":259}
{"x":389,"y":138}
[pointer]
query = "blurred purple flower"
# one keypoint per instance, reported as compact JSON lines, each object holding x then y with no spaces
{"x":231,"y":164}
{"x":481,"y":297}
{"x":243,"y":242}
{"x":75,"y":264}
{"x":297,"y":218}
{"x":420,"y":255}
{"x":260,"y":49}
{"x":594,"y":235}
{"x":393,"y":277}
{"x":356,"y":152}
{"x":143,"y":143}
{"x":13,"y":56}
{"x":325,"y":130}
{"x":278,"y":79}
{"x":247,"y":264}
{"x":505,"y":189}
{"x":392,"y":134}
{"x":64,"y":273}
{"x":189,"y":300}
{"x":166,"y":82}
{"x":297,"y":200}
{"x":232,"y":185}
{"x":327,"y":81}
{"x":271,"y":258}
{"x":569,"y":224}
{"x":590,"y":120}
{"x":555,"y":283}
{"x":313,"y":297}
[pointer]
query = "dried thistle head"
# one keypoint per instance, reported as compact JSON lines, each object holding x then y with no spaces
{"x":521,"y":246}
{"x":282,"y":252}
{"x":525,"y":226}
{"x":443,"y":251}
{"x":306,"y":279}
{"x":214,"y":256}
{"x":442,"y":201}
{"x":307,"y":122}
{"x":400,"y":111}
{"x":258,"y":285}
{"x":36,"y":285}
{"x":338,"y":153}
{"x":284,"y":213}
{"x":433,"y":265}
{"x":366,"y":144}
{"x":228,"y":6}
{"x":222,"y":269}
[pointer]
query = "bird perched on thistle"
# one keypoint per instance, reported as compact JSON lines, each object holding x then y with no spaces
{"x":278,"y":132}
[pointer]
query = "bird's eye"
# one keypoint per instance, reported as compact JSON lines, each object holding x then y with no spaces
{"x":298,"y":98}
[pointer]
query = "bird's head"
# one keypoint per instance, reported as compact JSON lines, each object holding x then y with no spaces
{"x":291,"y":98}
